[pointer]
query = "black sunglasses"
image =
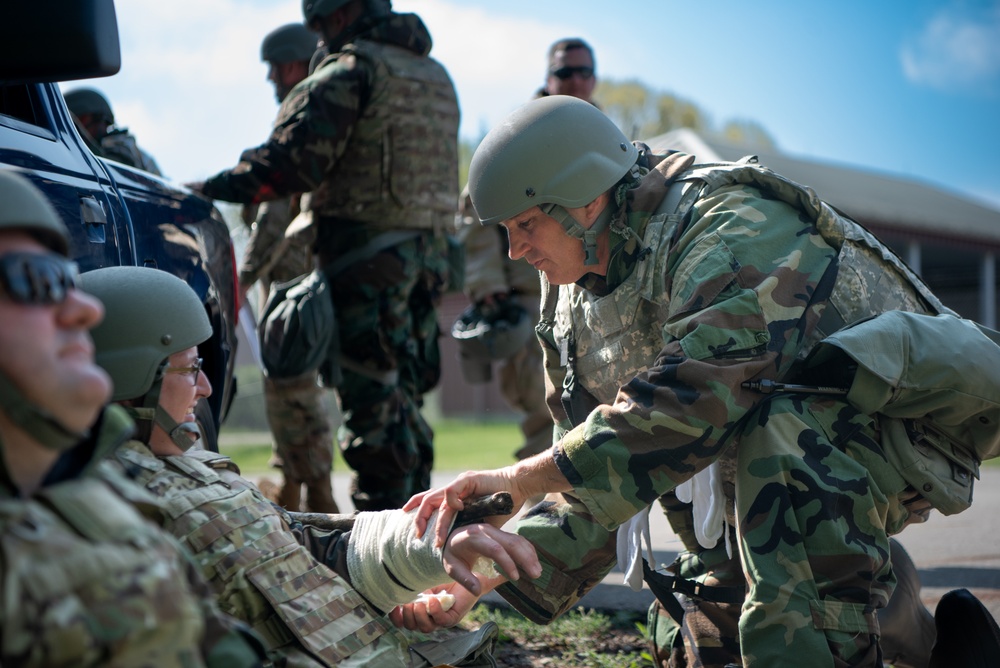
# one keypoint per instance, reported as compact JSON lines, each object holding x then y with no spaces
{"x":564,"y":73}
{"x":38,"y":279}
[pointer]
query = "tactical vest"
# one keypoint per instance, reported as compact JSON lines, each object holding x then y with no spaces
{"x":399,"y":168}
{"x":605,"y":341}
{"x":87,"y":581}
{"x":258,"y":570}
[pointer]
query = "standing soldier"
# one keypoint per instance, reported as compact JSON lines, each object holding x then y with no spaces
{"x":504,"y":292}
{"x":298,"y":409}
{"x":87,"y":579}
{"x":372,"y":133}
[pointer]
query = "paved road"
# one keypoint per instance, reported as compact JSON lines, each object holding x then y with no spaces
{"x":961,"y":551}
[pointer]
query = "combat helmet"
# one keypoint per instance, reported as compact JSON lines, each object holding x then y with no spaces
{"x":88,"y":101}
{"x":313,"y":9}
{"x":485,"y":335}
{"x":150,"y":315}
{"x":289,"y":43}
{"x":26,"y":209}
{"x":555,"y":152}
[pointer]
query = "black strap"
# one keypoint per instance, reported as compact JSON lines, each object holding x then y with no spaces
{"x":664,"y":586}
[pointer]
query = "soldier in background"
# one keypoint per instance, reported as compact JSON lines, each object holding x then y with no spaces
{"x":298,"y":409}
{"x":503,"y":292}
{"x":300,"y":587}
{"x":88,"y":580}
{"x":97,"y":127}
{"x":372,"y":134}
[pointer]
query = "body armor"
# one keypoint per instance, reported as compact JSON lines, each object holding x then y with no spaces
{"x":398,"y":170}
{"x":89,"y":581}
{"x":258,"y":570}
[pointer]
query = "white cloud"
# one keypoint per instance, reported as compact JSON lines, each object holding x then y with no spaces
{"x":958,"y":50}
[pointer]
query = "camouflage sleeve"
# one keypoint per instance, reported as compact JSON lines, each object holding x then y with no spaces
{"x":313,"y":126}
{"x":747,"y":280}
{"x":267,"y":240}
{"x":484,"y":253}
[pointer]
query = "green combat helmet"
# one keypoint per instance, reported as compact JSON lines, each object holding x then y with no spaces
{"x":313,"y":9}
{"x":25,"y":209}
{"x":150,"y":315}
{"x":88,"y":101}
{"x":485,"y":335}
{"x":288,"y":44}
{"x":555,"y":153}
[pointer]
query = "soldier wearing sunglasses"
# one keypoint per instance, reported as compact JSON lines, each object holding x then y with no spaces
{"x":571,"y":70}
{"x":88,"y":580}
{"x":503,"y":292}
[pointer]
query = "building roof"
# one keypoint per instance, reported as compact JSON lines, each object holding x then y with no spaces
{"x":880,"y":200}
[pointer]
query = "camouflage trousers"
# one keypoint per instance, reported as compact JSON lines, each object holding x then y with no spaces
{"x":522,"y":383}
{"x":298,"y":412}
{"x":816,"y":502}
{"x":387,"y":318}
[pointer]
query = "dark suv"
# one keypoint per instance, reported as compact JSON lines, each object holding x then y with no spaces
{"x":116,"y":215}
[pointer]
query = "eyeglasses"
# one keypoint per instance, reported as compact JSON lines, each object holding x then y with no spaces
{"x":564,"y":73}
{"x":37,"y":279}
{"x":191,"y":371}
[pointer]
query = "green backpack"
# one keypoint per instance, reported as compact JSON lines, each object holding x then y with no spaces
{"x":934,"y":384}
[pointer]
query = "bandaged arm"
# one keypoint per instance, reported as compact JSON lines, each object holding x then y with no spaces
{"x":388,"y":564}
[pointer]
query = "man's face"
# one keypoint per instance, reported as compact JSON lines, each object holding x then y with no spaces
{"x":285,"y":76}
{"x":541,"y":240}
{"x":572,"y":73}
{"x":46,"y":350}
{"x":96,"y":124}
{"x":183,"y":385}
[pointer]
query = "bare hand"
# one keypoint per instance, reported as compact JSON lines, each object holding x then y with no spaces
{"x":511,"y":554}
{"x":427,"y":616}
{"x":449,"y":499}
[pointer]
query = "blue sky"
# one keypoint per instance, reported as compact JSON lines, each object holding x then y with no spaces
{"x":908,"y":87}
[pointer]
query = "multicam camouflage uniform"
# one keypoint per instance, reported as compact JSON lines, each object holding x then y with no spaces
{"x":648,"y":366}
{"x":298,"y":409}
{"x":373,"y":134}
{"x":88,"y":580}
{"x":307,"y":614}
{"x":489,"y":271}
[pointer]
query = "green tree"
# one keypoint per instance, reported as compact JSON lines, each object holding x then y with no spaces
{"x":642,"y":113}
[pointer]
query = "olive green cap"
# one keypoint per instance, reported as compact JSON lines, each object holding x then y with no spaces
{"x":25,"y":208}
{"x":149,"y":316}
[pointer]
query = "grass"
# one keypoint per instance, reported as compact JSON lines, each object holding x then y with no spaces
{"x":459,"y":445}
{"x":586,"y":638}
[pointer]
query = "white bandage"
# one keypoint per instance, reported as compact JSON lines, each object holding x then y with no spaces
{"x":389,"y":565}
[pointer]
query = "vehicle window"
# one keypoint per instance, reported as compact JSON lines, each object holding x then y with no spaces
{"x":21,"y":102}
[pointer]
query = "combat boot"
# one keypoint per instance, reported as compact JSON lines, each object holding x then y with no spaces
{"x":290,"y":497}
{"x":907,"y":625}
{"x":319,"y":496}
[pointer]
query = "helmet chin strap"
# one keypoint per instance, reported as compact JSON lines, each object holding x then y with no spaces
{"x":151,"y":413}
{"x":39,"y":424}
{"x":578,"y":231}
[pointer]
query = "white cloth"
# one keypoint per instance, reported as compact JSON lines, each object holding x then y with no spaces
{"x":631,"y":537}
{"x":704,"y":492}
